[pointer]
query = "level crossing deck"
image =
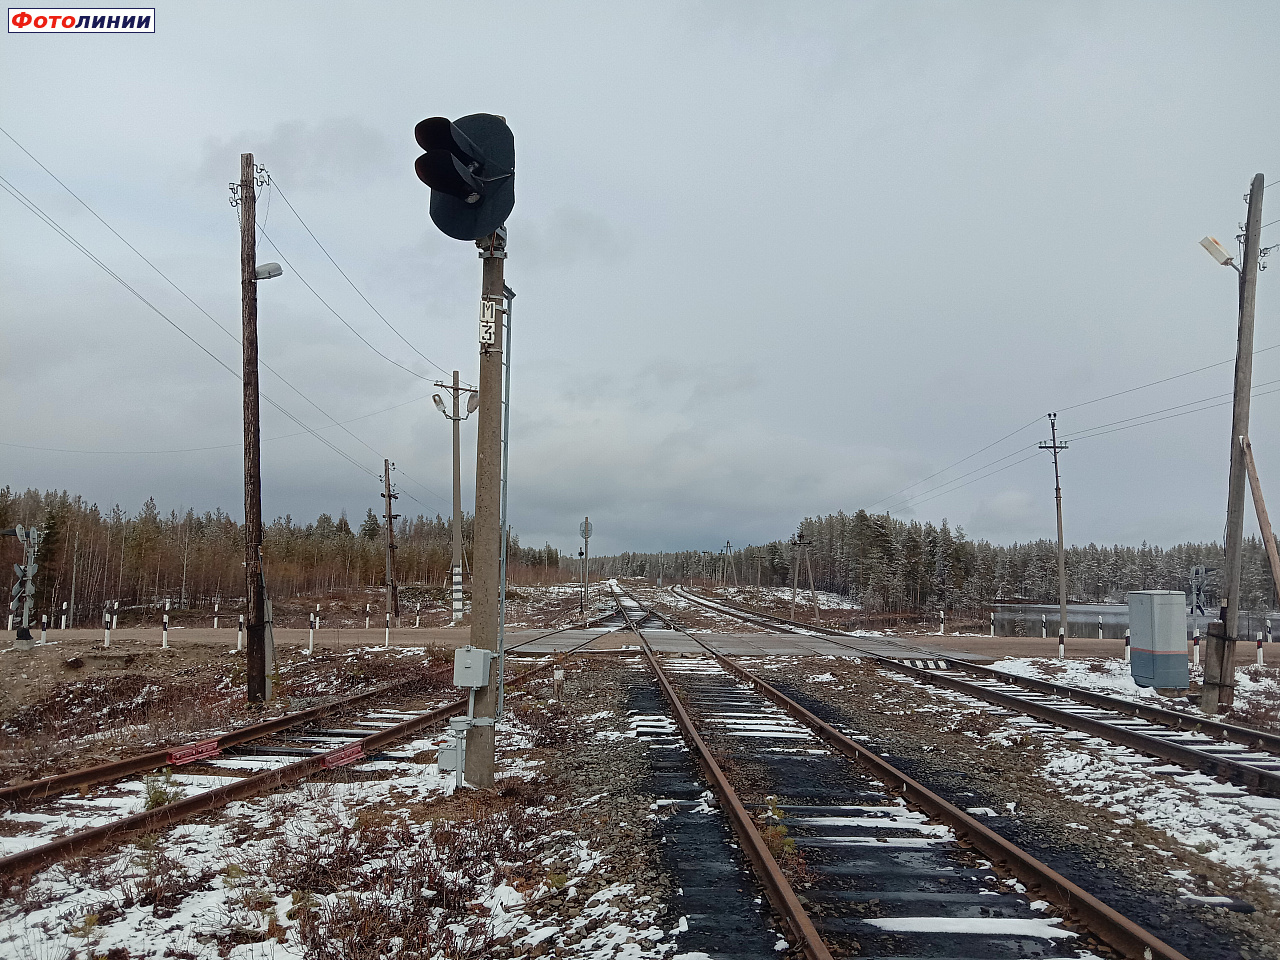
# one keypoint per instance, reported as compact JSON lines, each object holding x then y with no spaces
{"x":730,"y":644}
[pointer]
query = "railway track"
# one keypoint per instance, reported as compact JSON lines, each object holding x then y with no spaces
{"x":245,"y":763}
{"x":1244,"y":756}
{"x":886,"y":867}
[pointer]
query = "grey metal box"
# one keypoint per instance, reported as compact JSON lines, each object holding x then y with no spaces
{"x":471,"y":667}
{"x":1158,"y":638}
{"x":447,"y":758}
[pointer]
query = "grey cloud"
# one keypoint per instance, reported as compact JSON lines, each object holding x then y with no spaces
{"x":570,"y":236}
{"x":306,"y":155}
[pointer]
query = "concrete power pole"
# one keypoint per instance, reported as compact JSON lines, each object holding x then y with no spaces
{"x":1219,"y":662}
{"x":487,"y":539}
{"x":1055,"y":446}
{"x":456,"y":577}
{"x":393,"y":594}
{"x":255,"y":613}
{"x":457,"y":417}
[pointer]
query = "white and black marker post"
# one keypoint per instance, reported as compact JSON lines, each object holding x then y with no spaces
{"x":164,"y":633}
{"x":240,"y":634}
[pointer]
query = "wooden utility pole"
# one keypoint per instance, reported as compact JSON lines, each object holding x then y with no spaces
{"x":1055,"y":446}
{"x":1219,"y":662}
{"x":255,"y":613}
{"x":393,"y":594}
{"x":795,"y":571}
{"x":487,"y":536}
{"x":1259,"y":508}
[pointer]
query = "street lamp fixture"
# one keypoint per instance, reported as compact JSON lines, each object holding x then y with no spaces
{"x":267,"y":271}
{"x":1219,"y":252}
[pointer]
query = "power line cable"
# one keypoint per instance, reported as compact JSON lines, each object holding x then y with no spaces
{"x":1008,"y":466}
{"x":219,"y":446}
{"x":1075,"y":406}
{"x":1178,"y":406}
{"x":53,"y":224}
{"x":894,"y":496}
{"x":942,"y":487}
{"x":201,"y":309}
{"x":940,"y":490}
{"x":1156,"y":383}
{"x":1212,"y":406}
{"x":327,"y":306}
{"x":351,"y":283}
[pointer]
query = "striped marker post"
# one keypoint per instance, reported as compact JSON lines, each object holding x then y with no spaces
{"x":993,"y":624}
{"x":215,"y":614}
{"x":164,"y":634}
{"x":311,"y":633}
{"x":1099,"y":626}
{"x":44,"y":628}
{"x":1195,"y":648}
{"x":106,"y":626}
{"x":457,"y":594}
{"x":1126,"y":645}
{"x":240,"y":635}
{"x":1259,"y":648}
{"x":386,"y":640}
{"x":366,"y":616}
{"x":1044,"y":625}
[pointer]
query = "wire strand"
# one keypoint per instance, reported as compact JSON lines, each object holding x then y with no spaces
{"x":54,"y":225}
{"x":189,"y":299}
{"x":351,"y":283}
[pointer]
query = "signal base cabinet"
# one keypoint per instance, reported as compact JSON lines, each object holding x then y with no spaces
{"x":1158,"y":638}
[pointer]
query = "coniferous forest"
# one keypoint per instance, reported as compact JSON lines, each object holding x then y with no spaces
{"x":190,"y":559}
{"x":901,"y":566}
{"x":879,"y":562}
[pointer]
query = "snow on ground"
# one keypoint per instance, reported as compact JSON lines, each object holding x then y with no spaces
{"x":1220,"y":821}
{"x":389,"y":856}
{"x":782,"y":595}
{"x":1257,"y":689}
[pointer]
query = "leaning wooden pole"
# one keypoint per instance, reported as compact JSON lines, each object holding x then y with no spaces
{"x":1260,"y":508}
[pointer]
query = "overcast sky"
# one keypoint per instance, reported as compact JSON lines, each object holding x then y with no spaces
{"x":772,"y":260}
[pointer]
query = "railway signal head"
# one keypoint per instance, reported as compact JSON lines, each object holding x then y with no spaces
{"x":470,"y":166}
